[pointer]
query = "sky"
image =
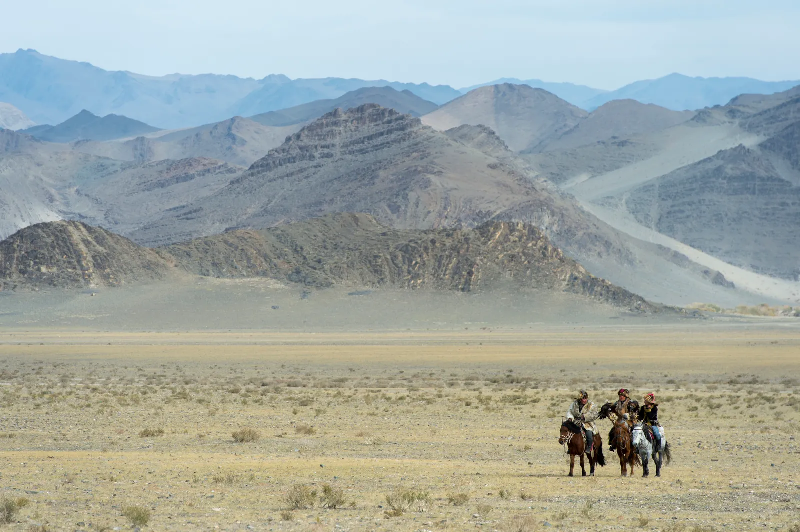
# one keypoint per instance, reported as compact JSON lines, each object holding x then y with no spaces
{"x":601,"y":43}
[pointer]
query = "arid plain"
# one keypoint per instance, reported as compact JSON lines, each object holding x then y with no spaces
{"x":457,"y":426}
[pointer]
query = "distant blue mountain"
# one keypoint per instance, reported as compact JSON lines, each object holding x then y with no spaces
{"x":51,"y":90}
{"x":574,"y":94}
{"x":679,"y":92}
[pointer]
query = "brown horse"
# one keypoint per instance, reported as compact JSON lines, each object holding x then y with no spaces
{"x":572,"y":439}
{"x":621,"y":438}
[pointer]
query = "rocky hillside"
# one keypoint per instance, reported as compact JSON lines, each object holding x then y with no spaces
{"x":522,"y":116}
{"x":617,"y":119}
{"x":738,"y":205}
{"x":341,"y":249}
{"x":73,"y":255}
{"x":376,"y":160}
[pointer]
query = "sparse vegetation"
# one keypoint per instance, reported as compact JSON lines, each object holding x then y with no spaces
{"x":302,"y":428}
{"x":403,"y":500}
{"x":151,"y":433}
{"x":300,"y":497}
{"x":137,"y":515}
{"x":246,"y":435}
{"x":9,"y":507}
{"x":332,"y":497}
{"x":457,"y":499}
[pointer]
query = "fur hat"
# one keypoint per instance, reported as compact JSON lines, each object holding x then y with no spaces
{"x":582,"y":395}
{"x":623,"y":392}
{"x":649,"y":398}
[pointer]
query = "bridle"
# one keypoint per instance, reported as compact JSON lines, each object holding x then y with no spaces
{"x":567,"y":439}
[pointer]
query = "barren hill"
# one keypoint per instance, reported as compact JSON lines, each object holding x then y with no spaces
{"x":341,"y":249}
{"x":375,"y":160}
{"x":405,"y":102}
{"x":620,"y":119}
{"x":87,"y":126}
{"x":522,"y":116}
{"x":73,"y":255}
{"x":12,"y":118}
{"x":735,"y":205}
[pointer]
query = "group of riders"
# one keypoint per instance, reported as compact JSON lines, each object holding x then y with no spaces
{"x":584,"y":413}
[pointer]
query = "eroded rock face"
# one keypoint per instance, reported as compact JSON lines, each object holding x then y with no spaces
{"x":376,"y":160}
{"x":74,"y":255}
{"x":340,"y":249}
{"x":355,"y":249}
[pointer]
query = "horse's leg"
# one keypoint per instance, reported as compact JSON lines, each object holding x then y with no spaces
{"x":622,"y":464}
{"x":583,"y":469}
{"x":591,"y":464}
{"x":644,"y":458}
{"x":571,"y":463}
{"x":657,"y":459}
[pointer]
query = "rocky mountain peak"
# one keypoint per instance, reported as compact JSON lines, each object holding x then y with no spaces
{"x":338,"y":131}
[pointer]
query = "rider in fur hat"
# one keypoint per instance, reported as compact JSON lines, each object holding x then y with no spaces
{"x":582,"y":411}
{"x":621,"y":408}
{"x":623,"y":404}
{"x":648,"y":413}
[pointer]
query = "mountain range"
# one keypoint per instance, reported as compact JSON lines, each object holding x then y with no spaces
{"x":50,"y":90}
{"x":676,"y":206}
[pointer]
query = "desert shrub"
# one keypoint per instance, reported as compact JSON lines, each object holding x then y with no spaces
{"x":332,"y":497}
{"x":484,"y":509}
{"x":643,"y":521}
{"x":521,"y":523}
{"x":245,"y":435}
{"x":302,"y":428}
{"x":151,"y":433}
{"x":300,"y":497}
{"x":457,"y":499}
{"x":9,"y":508}
{"x":525,"y":496}
{"x":402,"y":500}
{"x":38,"y":528}
{"x":287,"y":515}
{"x":504,"y":494}
{"x":137,"y":515}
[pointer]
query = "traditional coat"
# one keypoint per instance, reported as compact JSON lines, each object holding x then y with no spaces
{"x":622,"y":407}
{"x":589,"y":412}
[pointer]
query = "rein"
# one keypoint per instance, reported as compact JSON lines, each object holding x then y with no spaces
{"x":567,"y":440}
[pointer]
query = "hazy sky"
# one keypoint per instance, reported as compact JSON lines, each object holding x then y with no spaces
{"x":603,"y":43}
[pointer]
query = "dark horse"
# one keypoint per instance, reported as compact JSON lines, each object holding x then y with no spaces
{"x":572,"y":438}
{"x":620,"y":437}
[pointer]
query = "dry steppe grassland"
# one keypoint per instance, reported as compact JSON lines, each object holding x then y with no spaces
{"x":406,"y":430}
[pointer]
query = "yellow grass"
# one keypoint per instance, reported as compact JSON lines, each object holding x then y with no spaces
{"x":473,"y":415}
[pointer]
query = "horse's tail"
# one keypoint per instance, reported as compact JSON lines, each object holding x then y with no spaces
{"x":598,"y":454}
{"x":667,"y":454}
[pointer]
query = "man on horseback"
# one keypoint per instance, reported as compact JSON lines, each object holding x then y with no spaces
{"x":582,"y":411}
{"x":621,"y":408}
{"x":648,"y":413}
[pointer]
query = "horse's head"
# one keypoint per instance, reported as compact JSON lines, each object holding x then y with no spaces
{"x":568,"y":427}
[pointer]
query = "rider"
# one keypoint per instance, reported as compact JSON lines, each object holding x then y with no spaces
{"x":623,"y":404}
{"x":620,"y":407}
{"x":648,"y":413}
{"x":582,"y":412}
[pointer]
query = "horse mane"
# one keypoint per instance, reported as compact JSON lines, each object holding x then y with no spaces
{"x":571,"y":426}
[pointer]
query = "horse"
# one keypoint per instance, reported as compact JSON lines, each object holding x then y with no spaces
{"x":645,"y":449}
{"x":576,"y":447}
{"x":620,"y":438}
